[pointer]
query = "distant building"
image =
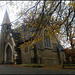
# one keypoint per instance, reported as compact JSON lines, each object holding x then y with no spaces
{"x":47,"y":51}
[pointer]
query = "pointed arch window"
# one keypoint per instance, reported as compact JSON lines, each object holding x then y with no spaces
{"x":26,"y":49}
{"x":47,"y":43}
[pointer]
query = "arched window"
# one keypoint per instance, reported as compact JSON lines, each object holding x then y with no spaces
{"x":46,"y":40}
{"x":26,"y":49}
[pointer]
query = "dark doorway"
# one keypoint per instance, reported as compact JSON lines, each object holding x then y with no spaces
{"x":8,"y":54}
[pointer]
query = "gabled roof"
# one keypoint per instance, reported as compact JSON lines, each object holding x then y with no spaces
{"x":16,"y":36}
{"x":25,"y":34}
{"x":6,"y":19}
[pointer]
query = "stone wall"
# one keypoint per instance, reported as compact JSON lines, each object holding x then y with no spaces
{"x":25,"y":56}
{"x":47,"y":56}
{"x":62,"y":57}
{"x":44,"y":56}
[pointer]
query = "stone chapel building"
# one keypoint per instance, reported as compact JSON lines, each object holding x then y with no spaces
{"x":48,"y":53}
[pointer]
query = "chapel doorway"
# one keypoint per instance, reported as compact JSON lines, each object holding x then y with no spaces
{"x":8,"y":55}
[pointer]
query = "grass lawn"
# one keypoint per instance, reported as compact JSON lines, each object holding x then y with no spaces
{"x":31,"y":65}
{"x":44,"y":66}
{"x":40,"y":65}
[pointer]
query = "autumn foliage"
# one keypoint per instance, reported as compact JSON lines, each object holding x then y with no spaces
{"x":70,"y":54}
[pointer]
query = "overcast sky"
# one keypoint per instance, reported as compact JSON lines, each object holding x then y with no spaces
{"x":13,"y":9}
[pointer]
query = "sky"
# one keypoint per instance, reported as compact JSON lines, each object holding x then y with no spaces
{"x":13,"y":7}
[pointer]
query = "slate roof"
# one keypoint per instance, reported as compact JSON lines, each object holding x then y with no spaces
{"x":26,"y":34}
{"x":60,"y":47}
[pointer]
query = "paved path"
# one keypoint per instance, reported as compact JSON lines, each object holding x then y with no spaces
{"x":8,"y":69}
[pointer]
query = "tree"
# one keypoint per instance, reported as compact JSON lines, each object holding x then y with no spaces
{"x":69,"y":27}
{"x":44,"y":16}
